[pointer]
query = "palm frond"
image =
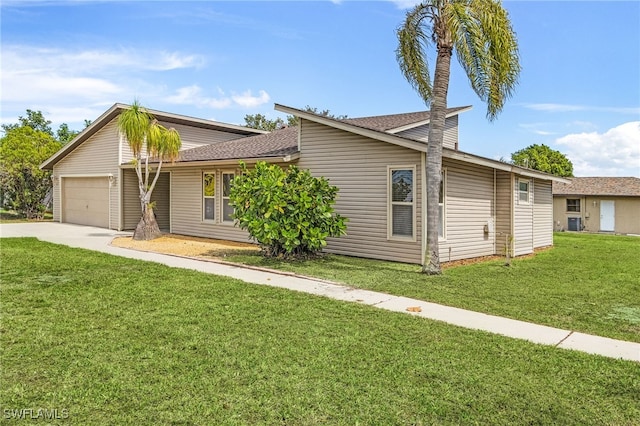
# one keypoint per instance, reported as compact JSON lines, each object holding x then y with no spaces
{"x":133,"y":123}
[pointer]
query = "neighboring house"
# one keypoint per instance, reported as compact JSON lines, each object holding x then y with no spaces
{"x":378,"y":163}
{"x":597,"y":204}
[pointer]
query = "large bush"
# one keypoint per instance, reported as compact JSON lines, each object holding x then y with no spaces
{"x":288,"y":212}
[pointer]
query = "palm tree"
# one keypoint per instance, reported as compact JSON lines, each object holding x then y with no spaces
{"x":148,"y":140}
{"x":485,"y":44}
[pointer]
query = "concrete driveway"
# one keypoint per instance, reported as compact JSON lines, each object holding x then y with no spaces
{"x":99,"y":239}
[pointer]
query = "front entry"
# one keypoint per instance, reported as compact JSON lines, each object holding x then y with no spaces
{"x":607,"y":216}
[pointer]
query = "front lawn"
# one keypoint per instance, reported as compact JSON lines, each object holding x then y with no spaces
{"x":109,"y":340}
{"x":588,"y":283}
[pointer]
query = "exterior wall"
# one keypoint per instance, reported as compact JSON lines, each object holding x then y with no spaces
{"x":504,"y":212}
{"x":627,"y":213}
{"x":422,"y":133}
{"x":542,"y":214}
{"x":469,"y":206}
{"x":358,"y":166}
{"x":97,"y":156}
{"x":522,"y":219}
{"x":187,"y":204}
{"x":192,"y":137}
{"x":131,"y":201}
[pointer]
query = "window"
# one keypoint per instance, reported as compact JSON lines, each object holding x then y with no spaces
{"x":523,"y":191}
{"x":573,"y":205}
{"x":209,"y":196}
{"x":401,"y":202}
{"x":441,"y":205}
{"x":227,"y":210}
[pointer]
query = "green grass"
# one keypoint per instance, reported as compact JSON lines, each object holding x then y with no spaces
{"x":118,"y":341}
{"x":588,"y":283}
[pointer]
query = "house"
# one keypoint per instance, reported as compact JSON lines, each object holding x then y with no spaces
{"x":597,"y":204}
{"x":485,"y":205}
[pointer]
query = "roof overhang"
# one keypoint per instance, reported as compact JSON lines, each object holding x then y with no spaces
{"x":224,"y":162}
{"x":162,"y":116}
{"x":417,"y":145}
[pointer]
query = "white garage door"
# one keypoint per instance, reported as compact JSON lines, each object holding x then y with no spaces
{"x":85,"y":201}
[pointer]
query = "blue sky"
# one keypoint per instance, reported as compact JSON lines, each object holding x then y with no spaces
{"x":579,"y":91}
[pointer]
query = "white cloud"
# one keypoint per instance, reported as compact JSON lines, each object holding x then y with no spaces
{"x":615,"y":152}
{"x":248,"y":101}
{"x":193,"y":95}
{"x":405,"y":4}
{"x":56,"y":79}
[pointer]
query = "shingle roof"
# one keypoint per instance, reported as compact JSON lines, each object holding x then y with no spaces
{"x":608,"y":186}
{"x":278,"y":143}
{"x":384,"y":123}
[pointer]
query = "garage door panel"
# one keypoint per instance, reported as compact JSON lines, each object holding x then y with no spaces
{"x":85,"y":201}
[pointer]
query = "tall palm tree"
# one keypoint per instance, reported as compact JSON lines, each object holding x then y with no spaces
{"x":480,"y":33}
{"x":148,"y":140}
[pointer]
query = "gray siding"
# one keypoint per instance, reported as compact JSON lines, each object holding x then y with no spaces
{"x":523,"y":220}
{"x":504,"y":197}
{"x":186,"y":207}
{"x":131,"y":200}
{"x":542,"y":214}
{"x":421,"y":133}
{"x":468,"y":207}
{"x":97,"y":156}
{"x":358,"y":166}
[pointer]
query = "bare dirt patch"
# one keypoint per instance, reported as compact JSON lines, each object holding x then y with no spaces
{"x":182,"y":245}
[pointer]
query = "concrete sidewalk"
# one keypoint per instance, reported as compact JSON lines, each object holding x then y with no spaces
{"x":98,"y":239}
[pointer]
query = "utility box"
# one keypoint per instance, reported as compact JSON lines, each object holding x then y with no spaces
{"x":575,"y":224}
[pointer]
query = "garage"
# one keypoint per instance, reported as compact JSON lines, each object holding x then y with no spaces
{"x":85,"y":201}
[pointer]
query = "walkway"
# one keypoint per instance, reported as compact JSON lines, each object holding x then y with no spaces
{"x":98,"y":239}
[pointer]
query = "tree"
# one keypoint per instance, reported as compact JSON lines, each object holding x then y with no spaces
{"x":149,"y":142}
{"x":34,"y":119}
{"x":24,"y":186}
{"x":64,"y":134}
{"x":545,"y":159}
{"x":259,"y":121}
{"x":288,"y":212}
{"x":486,"y":47}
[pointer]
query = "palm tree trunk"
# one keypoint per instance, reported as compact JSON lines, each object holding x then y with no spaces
{"x":147,"y":228}
{"x":431,"y":264}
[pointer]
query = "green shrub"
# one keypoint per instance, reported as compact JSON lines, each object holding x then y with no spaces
{"x":288,"y":212}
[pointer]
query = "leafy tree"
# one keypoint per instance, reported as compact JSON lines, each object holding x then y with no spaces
{"x":288,"y":212}
{"x":148,"y":140}
{"x":259,"y":121}
{"x":24,"y":186}
{"x":486,"y":47}
{"x":34,"y":119}
{"x":545,"y":159}
{"x":64,"y":134}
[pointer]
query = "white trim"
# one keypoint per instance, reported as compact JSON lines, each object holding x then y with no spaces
{"x":423,"y":204}
{"x":529,"y":183}
{"x":390,"y":203}
{"x":222,"y":197}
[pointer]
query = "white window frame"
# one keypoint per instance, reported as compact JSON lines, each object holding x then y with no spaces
{"x":222,"y":196}
{"x":205,"y":197}
{"x":443,"y":204}
{"x":391,"y":203}
{"x":520,"y":192}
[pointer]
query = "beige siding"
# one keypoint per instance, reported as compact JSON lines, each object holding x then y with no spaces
{"x":523,"y":220}
{"x":504,"y":212}
{"x":422,"y":133}
{"x":627,"y":213}
{"x":468,"y":207}
{"x":186,"y":207}
{"x":97,"y":156}
{"x":542,"y":213}
{"x":131,"y":200}
{"x":358,"y":166}
{"x":192,"y":137}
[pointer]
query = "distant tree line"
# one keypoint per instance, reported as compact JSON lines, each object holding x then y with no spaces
{"x":259,"y":121}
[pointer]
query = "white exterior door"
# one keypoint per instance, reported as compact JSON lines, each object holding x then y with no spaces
{"x":607,"y":216}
